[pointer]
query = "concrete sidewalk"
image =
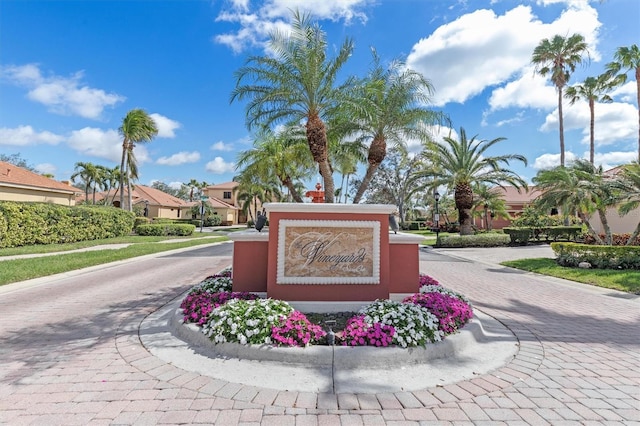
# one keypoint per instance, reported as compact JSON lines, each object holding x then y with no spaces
{"x":576,"y":362}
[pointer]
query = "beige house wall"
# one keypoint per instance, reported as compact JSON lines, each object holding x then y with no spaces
{"x":8,"y":193}
{"x":619,"y":225}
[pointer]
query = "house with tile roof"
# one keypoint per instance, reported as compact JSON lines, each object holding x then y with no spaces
{"x":157,"y":203}
{"x":225,"y":194}
{"x":22,"y":185}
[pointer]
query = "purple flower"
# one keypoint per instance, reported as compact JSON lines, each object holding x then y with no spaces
{"x":452,"y":313}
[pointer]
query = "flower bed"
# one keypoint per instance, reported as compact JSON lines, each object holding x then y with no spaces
{"x":423,"y":318}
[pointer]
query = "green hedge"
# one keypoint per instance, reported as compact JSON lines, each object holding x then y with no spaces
{"x":479,"y":240}
{"x":600,"y":257}
{"x":24,"y":224}
{"x":164,"y":229}
{"x":521,"y":235}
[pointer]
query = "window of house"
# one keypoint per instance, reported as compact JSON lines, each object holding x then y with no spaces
{"x":227,"y":195}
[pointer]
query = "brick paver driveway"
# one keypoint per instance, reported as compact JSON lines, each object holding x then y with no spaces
{"x":70,"y":354}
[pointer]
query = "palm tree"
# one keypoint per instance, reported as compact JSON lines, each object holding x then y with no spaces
{"x":460,"y":164}
{"x":580,"y":188}
{"x":284,"y":155}
{"x":627,"y":59}
{"x":193,"y":185}
{"x":294,"y":85}
{"x":593,"y":89}
{"x":488,"y":202}
{"x":629,"y":195}
{"x":89,"y":174}
{"x":251,"y":190}
{"x":559,"y":58}
{"x":137,"y":127}
{"x":394,"y":110}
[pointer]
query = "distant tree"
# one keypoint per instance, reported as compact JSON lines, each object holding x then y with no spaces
{"x":296,"y":83}
{"x":581,"y":188}
{"x":251,"y":190}
{"x":629,"y":194}
{"x":461,"y":164}
{"x":488,"y":203}
{"x":397,"y":182}
{"x":558,"y":58}
{"x":624,"y":60}
{"x":137,"y":127}
{"x":592,"y":90}
{"x":283,"y":156}
{"x":161,"y":186}
{"x":17,"y":160}
{"x":89,"y":175}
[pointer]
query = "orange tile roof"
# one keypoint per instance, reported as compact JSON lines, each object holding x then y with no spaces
{"x":13,"y":175}
{"x":511,"y":196}
{"x":226,"y":185}
{"x":140,"y":193}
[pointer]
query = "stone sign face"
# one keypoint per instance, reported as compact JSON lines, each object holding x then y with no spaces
{"x":328,"y":252}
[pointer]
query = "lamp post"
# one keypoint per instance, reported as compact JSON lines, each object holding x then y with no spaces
{"x":202,"y":200}
{"x":436,"y":195}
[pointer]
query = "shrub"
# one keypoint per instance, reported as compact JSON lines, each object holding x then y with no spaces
{"x":600,"y":257}
{"x":212,"y":220}
{"x":617,"y":239}
{"x":197,"y":306}
{"x":481,"y":240}
{"x":358,"y":332}
{"x":23,"y":224}
{"x":413,"y":325}
{"x":166,"y":229}
{"x":296,"y":330}
{"x":519,"y":236}
{"x":452,"y":313}
{"x":246,"y":321}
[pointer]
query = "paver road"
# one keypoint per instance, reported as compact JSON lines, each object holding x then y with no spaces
{"x":70,"y":354}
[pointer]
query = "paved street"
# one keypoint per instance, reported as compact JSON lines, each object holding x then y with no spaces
{"x":70,"y":354}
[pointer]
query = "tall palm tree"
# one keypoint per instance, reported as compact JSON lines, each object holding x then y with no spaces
{"x":193,"y":185}
{"x":394,"y":110}
{"x":559,"y":58}
{"x":137,"y":127}
{"x":460,"y":164}
{"x":629,"y":198}
{"x":593,"y":89}
{"x":296,"y":84}
{"x":581,"y":188}
{"x":624,"y":60}
{"x":284,"y":155}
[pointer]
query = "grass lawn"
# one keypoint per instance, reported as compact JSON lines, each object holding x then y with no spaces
{"x":24,"y":269}
{"x":628,"y":280}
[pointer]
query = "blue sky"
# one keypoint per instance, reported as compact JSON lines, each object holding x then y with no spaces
{"x":70,"y":71}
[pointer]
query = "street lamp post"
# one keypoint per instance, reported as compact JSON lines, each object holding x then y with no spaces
{"x":202,"y":200}
{"x":436,"y":195}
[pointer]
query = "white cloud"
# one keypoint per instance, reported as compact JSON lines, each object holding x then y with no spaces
{"x":609,"y":160}
{"x":611,"y":122}
{"x":221,"y":146}
{"x":626,"y":93}
{"x":481,"y":49}
{"x":175,"y":185}
{"x":45,"y":168}
{"x":97,"y":143}
{"x":529,"y":91}
{"x":179,"y":158}
{"x":166,"y":126}
{"x":272,"y":15}
{"x":549,"y":161}
{"x":62,"y":95}
{"x":219,"y":166}
{"x":25,"y":136}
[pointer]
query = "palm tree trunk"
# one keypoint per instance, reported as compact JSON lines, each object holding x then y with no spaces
{"x":377,"y":153}
{"x":125,"y":145}
{"x":366,"y":180}
{"x":561,"y":123}
{"x":129,"y":196}
{"x":602,"y":213}
{"x":638,"y":103}
{"x":592,"y":231}
{"x":292,"y":190}
{"x":591,"y":130}
{"x":341,"y":189}
{"x":633,"y":237}
{"x":317,"y":140}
